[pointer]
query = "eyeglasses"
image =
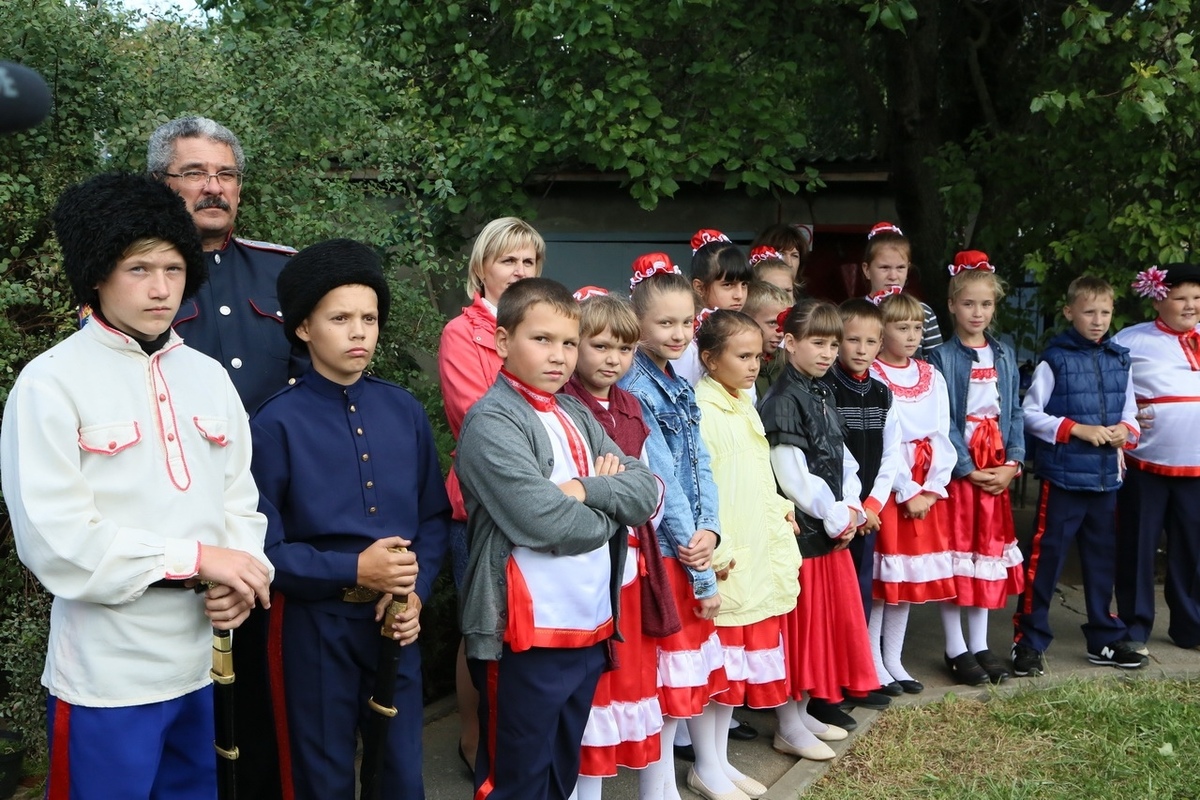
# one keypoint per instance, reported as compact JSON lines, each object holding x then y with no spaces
{"x":198,"y":177}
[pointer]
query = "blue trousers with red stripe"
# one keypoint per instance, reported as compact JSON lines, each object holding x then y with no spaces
{"x":1148,"y":505}
{"x":533,"y":707}
{"x":160,"y":751}
{"x":1089,"y":520}
{"x":326,"y":654}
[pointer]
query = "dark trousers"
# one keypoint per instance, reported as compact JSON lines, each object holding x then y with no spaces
{"x":1147,"y":505}
{"x":862,"y":550}
{"x":533,"y":707}
{"x":1088,"y":519}
{"x":328,"y":664}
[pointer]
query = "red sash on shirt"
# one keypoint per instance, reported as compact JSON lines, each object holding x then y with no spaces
{"x":987,"y":445}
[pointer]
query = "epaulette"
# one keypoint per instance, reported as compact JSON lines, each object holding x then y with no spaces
{"x":269,"y":246}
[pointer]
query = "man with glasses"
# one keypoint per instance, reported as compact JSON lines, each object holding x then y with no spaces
{"x":234,"y":318}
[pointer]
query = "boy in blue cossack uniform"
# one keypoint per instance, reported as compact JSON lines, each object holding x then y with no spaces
{"x":348,"y":473}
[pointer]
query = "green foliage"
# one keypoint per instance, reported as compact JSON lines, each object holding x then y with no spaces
{"x":337,"y":145}
{"x":653,"y":91}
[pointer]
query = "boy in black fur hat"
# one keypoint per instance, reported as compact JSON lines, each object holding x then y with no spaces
{"x":126,"y":469}
{"x":348,"y":471}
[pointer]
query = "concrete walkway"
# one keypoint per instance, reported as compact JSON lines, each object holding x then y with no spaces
{"x":446,"y":778}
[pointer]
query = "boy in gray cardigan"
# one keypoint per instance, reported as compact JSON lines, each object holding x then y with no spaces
{"x":548,"y":496}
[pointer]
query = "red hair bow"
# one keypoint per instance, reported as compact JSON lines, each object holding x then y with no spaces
{"x":877,"y":297}
{"x":970,"y":259}
{"x":705,"y":236}
{"x":781,"y":320}
{"x":883,"y":227}
{"x":764,"y":252}
{"x":588,"y":292}
{"x":651,"y":264}
{"x":704,"y":314}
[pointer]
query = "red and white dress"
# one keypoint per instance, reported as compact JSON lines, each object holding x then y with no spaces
{"x":987,"y":561}
{"x":626,"y":720}
{"x":913,"y":559}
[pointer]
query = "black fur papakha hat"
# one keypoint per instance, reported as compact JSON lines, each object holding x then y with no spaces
{"x":97,"y":220}
{"x":319,"y":269}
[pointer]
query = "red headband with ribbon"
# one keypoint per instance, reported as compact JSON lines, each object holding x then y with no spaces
{"x":588,"y":292}
{"x":764,"y":252}
{"x":1151,"y":283}
{"x":700,"y":318}
{"x":883,"y":227}
{"x":970,"y":259}
{"x":651,"y":264}
{"x":705,"y":236}
{"x":878,"y":297}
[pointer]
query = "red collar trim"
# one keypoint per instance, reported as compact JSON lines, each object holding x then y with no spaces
{"x":536,"y":397}
{"x":1165,"y":328}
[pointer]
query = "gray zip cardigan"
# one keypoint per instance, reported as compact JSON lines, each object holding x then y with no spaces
{"x":504,"y":463}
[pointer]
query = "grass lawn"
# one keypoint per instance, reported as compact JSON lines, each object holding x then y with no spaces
{"x":1125,"y":739}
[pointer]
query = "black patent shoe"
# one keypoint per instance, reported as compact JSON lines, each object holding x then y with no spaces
{"x":966,"y":669}
{"x":997,"y":670}
{"x":893,"y":689}
{"x":830,"y":714}
{"x":911,"y":686}
{"x":744,"y":732}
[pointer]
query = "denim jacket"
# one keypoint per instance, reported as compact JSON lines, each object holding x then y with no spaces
{"x":678,"y":456}
{"x":954,"y":360}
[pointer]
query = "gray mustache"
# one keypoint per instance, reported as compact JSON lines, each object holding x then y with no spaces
{"x":211,"y":202}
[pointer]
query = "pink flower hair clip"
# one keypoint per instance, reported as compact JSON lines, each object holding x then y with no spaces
{"x":1151,"y":283}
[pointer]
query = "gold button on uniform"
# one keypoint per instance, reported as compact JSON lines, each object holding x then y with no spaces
{"x":370,"y":484}
{"x":360,"y":431}
{"x":366,"y":457}
{"x":352,"y":409}
{"x":372,"y":509}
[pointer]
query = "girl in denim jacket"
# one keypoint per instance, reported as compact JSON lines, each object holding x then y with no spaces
{"x":987,"y":430}
{"x":691,"y":664}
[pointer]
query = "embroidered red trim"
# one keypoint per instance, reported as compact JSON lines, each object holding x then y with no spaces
{"x":908,"y":393}
{"x":983,"y":375}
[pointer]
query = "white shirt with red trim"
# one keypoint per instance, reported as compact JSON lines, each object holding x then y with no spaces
{"x":1057,"y":430}
{"x":921,"y":407}
{"x":568,"y":594}
{"x":1165,"y":372}
{"x":117,"y":466}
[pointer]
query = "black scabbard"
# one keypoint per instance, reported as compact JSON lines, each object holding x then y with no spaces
{"x":223,"y":677}
{"x":381,"y":705}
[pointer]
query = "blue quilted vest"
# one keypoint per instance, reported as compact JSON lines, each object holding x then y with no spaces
{"x":1090,"y":380}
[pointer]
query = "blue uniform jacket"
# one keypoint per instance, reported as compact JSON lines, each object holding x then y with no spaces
{"x":235,"y":318}
{"x":339,"y":467}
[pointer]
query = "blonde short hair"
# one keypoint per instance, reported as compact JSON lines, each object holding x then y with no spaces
{"x":901,"y":308}
{"x":761,"y":294}
{"x":609,"y":312}
{"x":969,"y":276}
{"x":498,"y":237}
{"x":1088,"y":286}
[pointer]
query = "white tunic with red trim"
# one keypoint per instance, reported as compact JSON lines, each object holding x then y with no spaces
{"x":558,"y":600}
{"x":1165,"y":373}
{"x":117,"y":467}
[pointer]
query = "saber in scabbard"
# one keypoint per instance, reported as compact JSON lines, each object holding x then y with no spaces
{"x":375,"y":738}
{"x":223,"y":677}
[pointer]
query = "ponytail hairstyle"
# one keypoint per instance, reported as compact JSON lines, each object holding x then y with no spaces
{"x":718,"y":327}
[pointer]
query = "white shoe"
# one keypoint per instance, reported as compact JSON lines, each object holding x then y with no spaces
{"x":751,"y":787}
{"x":696,"y":785}
{"x":817,"y":752}
{"x":832,"y":733}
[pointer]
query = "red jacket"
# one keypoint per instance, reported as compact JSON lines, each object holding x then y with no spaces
{"x":467,"y":367}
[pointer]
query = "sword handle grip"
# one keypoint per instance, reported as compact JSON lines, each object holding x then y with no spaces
{"x":395,"y":608}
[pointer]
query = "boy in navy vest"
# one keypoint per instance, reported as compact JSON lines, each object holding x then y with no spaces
{"x":1081,"y":413}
